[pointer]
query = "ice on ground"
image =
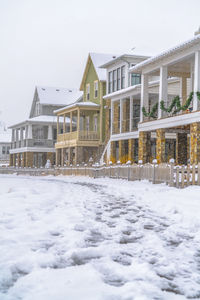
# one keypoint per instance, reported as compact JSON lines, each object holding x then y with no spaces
{"x":80,"y":238}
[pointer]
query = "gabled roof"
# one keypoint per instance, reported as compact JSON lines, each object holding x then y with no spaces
{"x":191,"y":42}
{"x":58,"y":96}
{"x":5,"y":134}
{"x":97,"y":59}
{"x":78,"y":104}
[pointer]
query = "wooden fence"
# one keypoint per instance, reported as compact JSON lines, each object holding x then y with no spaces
{"x":174,"y":176}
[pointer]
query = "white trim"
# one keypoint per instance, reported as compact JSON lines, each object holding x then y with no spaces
{"x":31,"y":149}
{"x":170,"y":122}
{"x":125,"y":136}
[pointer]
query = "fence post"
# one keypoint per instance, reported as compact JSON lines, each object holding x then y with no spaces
{"x":198,"y":179}
{"x":128,"y":164}
{"x":110,"y":163}
{"x":177,"y":176}
{"x":193,"y":174}
{"x":140,"y":165}
{"x":182,"y":176}
{"x":188,"y":175}
{"x":118,"y":168}
{"x":171,"y":183}
{"x":154,"y":170}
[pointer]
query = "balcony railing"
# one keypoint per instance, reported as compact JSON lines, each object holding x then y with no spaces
{"x":84,"y":135}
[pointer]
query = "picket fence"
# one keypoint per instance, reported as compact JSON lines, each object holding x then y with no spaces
{"x":174,"y":176}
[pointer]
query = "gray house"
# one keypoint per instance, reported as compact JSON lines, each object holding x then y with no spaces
{"x":5,"y":143}
{"x":33,"y":139}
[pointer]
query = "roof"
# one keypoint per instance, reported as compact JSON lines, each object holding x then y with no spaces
{"x":58,"y":96}
{"x":40,"y":119}
{"x":125,"y":56}
{"x":78,"y":104}
{"x":182,"y":46}
{"x":97,"y":59}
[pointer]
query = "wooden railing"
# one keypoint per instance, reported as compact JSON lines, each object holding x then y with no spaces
{"x":83,"y":136}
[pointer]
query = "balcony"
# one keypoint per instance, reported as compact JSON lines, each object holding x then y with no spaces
{"x":82,"y":135}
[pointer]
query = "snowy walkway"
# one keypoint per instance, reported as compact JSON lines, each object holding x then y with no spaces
{"x":84,"y":239}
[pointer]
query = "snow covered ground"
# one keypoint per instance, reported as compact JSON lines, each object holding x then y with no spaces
{"x":70,"y":238}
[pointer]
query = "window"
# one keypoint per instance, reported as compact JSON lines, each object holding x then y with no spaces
{"x":123,"y":77}
{"x":135,"y":79}
{"x":88,"y":91}
{"x":95,"y":89}
{"x":118,"y":79}
{"x":110,"y":82}
{"x":8,"y":149}
{"x":95,"y":123}
{"x":114,"y":80}
{"x":4,"y":150}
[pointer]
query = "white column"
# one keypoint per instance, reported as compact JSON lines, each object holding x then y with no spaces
{"x":13,"y":135}
{"x":192,"y":76}
{"x":16,"y":135}
{"x":21,"y":134}
{"x":26,"y":132}
{"x":111,"y":117}
{"x":162,"y":88}
{"x":121,"y":115}
{"x":196,"y":80}
{"x":30,"y":135}
{"x":131,"y":114}
{"x":144,"y":95}
{"x":50,"y":132}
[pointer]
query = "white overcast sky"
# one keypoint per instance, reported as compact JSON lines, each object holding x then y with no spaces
{"x":46,"y":42}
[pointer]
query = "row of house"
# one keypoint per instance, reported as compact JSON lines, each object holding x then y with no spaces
{"x":129,"y":108}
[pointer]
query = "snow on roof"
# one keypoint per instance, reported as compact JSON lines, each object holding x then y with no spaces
{"x":99,"y":59}
{"x":41,"y":119}
{"x":78,"y":104}
{"x":126,"y":56}
{"x":58,"y":96}
{"x":165,"y":53}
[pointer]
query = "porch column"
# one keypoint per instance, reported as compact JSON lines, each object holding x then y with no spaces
{"x":162,"y":89}
{"x":18,"y":160}
{"x":195,"y":143}
{"x":131,"y":114}
{"x":160,"y":145}
{"x":113,"y":152}
{"x":30,"y":135}
{"x":64,"y":125}
{"x":181,"y":148}
{"x":196,"y":80}
{"x":121,"y":151}
{"x":192,"y":76}
{"x":13,"y":135}
{"x":16,"y":135}
{"x":78,"y":122}
{"x":71,"y":121}
{"x":121,"y":116}
{"x":23,"y":160}
{"x":62,"y":157}
{"x":57,"y":150}
{"x":11,"y":160}
{"x":144,"y":146}
{"x":21,"y":134}
{"x":50,"y":132}
{"x":183,"y":89}
{"x":29,"y":159}
{"x":131,"y":149}
{"x":14,"y":159}
{"x":111,"y":117}
{"x":144,"y":95}
{"x":57,"y":126}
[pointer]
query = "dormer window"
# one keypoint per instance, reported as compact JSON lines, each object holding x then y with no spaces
{"x":96,"y":89}
{"x":88,"y":91}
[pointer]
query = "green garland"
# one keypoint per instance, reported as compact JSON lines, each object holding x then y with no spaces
{"x":152,"y":113}
{"x":176,"y":104}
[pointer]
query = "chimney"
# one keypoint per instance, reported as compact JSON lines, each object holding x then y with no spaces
{"x":197,"y":32}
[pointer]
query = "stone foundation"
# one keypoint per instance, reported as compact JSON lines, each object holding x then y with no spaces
{"x":144,"y":146}
{"x":160,"y":146}
{"x":195,"y":143}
